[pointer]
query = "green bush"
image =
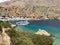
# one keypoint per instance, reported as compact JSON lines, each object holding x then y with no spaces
{"x":5,"y":24}
{"x":42,"y":40}
{"x":25,"y":38}
{"x":18,"y":38}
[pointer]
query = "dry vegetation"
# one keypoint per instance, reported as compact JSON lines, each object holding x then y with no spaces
{"x":31,"y":8}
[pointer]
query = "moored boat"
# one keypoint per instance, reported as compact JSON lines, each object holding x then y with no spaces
{"x":22,"y":22}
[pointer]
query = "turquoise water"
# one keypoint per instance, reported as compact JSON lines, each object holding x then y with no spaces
{"x":34,"y":28}
{"x":51,"y":26}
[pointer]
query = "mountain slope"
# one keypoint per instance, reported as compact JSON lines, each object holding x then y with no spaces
{"x":38,"y":2}
{"x":36,"y":8}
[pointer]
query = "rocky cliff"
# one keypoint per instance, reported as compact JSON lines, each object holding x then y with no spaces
{"x":39,"y":9}
{"x":4,"y":39}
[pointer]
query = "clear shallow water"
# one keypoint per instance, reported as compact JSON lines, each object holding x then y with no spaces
{"x":34,"y":28}
{"x":51,"y":26}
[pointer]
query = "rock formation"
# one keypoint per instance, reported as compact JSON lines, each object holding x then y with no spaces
{"x":43,"y":32}
{"x":4,"y":39}
{"x":43,"y":8}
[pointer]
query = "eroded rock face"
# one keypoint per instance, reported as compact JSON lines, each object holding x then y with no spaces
{"x":45,"y":9}
{"x":43,"y":32}
{"x":4,"y":39}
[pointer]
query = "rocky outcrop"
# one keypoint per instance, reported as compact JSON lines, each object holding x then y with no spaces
{"x":43,"y":32}
{"x":4,"y":38}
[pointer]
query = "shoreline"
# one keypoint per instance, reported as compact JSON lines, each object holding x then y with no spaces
{"x":53,"y":32}
{"x":21,"y":18}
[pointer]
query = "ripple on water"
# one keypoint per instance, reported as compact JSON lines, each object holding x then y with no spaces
{"x":53,"y":27}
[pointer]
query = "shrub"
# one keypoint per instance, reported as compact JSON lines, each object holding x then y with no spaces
{"x":25,"y":38}
{"x":18,"y":38}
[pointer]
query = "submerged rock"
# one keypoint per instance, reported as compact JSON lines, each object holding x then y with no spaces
{"x":43,"y":32}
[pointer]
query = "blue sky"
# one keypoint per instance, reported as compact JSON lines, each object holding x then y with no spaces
{"x":2,"y":1}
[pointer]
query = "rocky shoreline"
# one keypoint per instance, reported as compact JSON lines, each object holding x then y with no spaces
{"x":42,"y":32}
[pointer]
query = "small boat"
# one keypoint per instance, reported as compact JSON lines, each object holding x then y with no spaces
{"x":22,"y":22}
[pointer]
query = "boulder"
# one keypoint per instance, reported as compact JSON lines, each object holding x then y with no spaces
{"x":4,"y":39}
{"x":43,"y":32}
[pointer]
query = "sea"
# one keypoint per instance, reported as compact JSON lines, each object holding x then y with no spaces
{"x":51,"y":26}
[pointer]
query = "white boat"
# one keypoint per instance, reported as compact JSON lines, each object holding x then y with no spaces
{"x":22,"y":22}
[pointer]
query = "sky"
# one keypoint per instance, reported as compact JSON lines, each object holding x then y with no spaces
{"x":2,"y":1}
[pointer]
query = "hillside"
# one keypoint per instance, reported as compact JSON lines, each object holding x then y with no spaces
{"x":35,"y":9}
{"x":26,"y":38}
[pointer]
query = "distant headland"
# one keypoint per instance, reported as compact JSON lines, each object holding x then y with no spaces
{"x":31,"y":9}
